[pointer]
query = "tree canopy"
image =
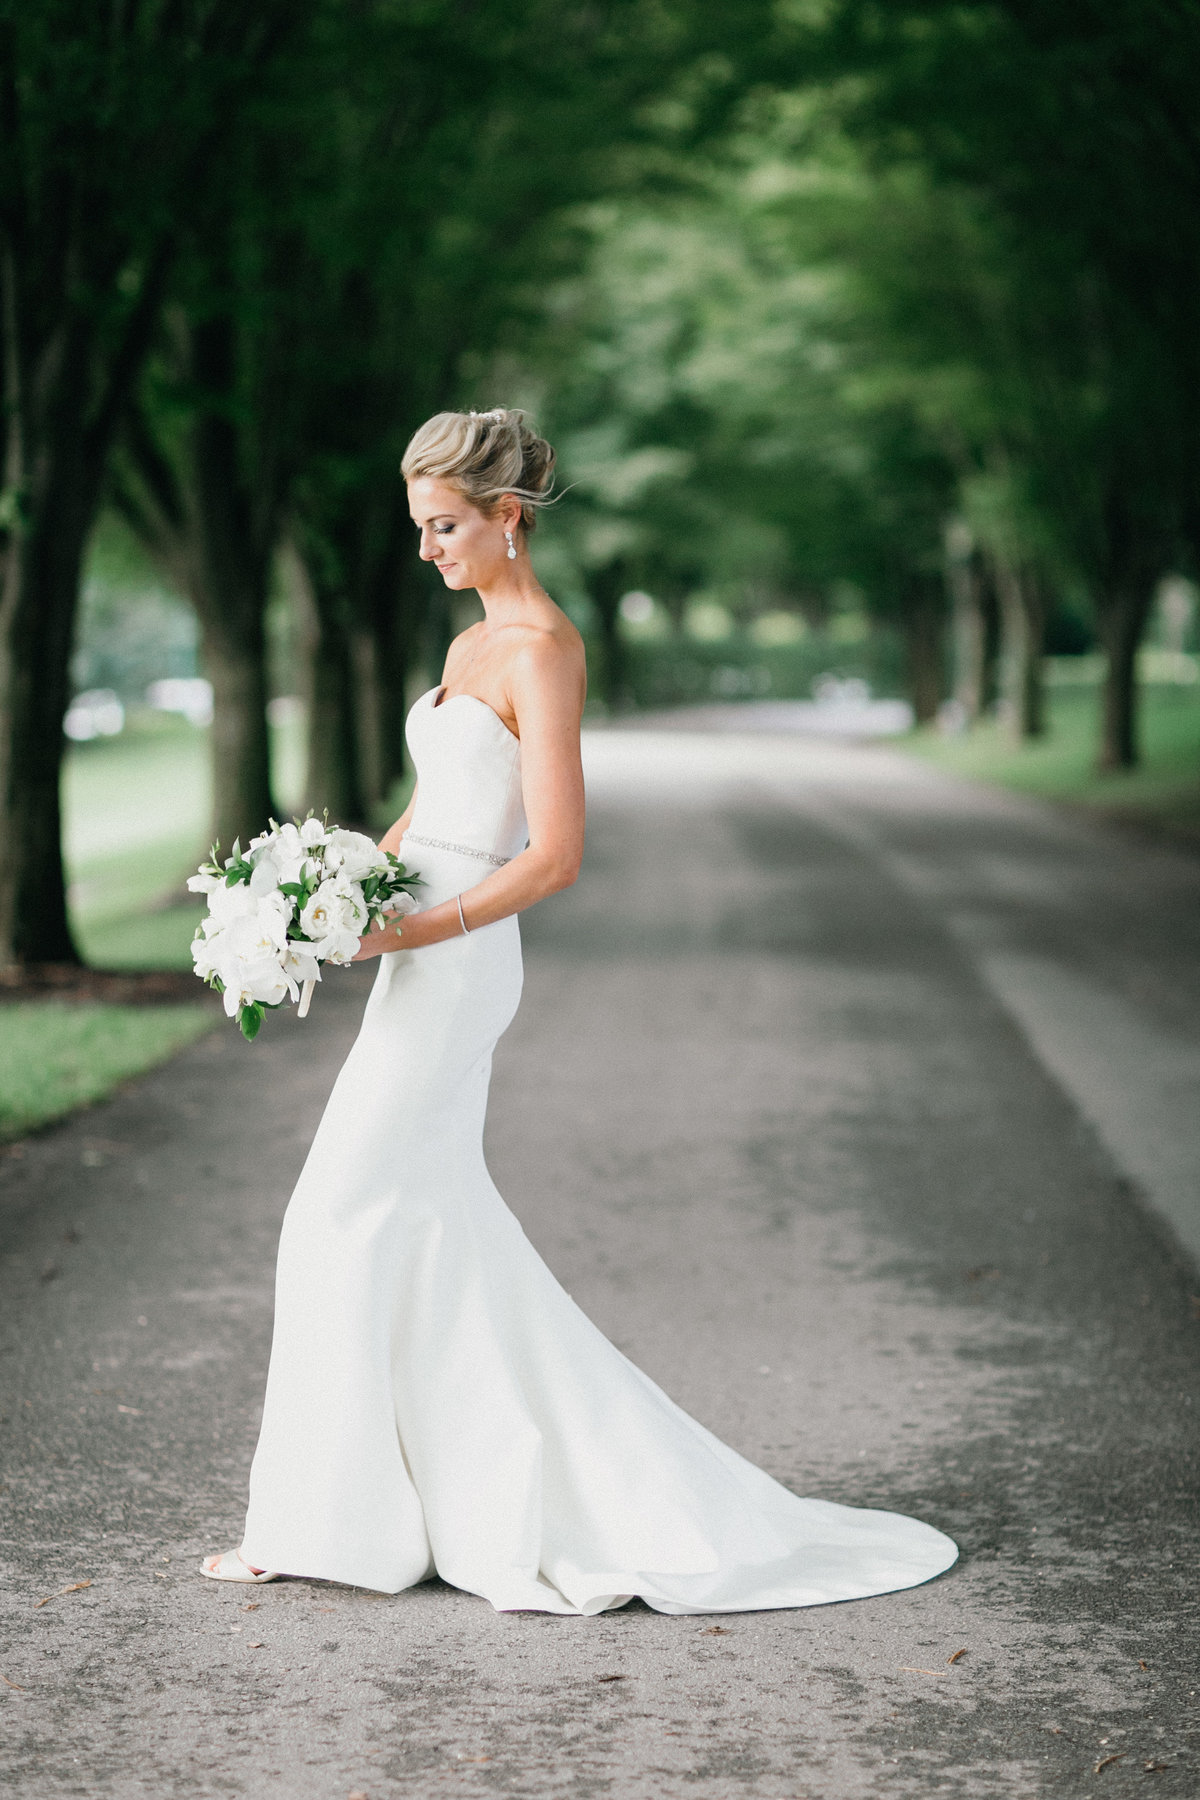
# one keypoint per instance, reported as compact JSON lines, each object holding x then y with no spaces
{"x":895,"y":302}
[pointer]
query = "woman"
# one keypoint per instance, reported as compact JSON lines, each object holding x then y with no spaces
{"x":436,"y":1403}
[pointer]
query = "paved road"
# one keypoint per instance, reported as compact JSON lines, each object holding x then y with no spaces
{"x":859,"y":1108}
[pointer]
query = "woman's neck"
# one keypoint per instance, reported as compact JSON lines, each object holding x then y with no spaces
{"x":511,"y":594}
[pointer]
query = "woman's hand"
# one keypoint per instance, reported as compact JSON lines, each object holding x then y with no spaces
{"x":408,"y":931}
{"x":377,"y":940}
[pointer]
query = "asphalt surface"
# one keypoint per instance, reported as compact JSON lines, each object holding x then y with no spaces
{"x":859,"y":1107}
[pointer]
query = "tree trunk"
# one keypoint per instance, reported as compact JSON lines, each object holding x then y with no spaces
{"x":334,"y":659}
{"x":51,"y":484}
{"x":963,"y":585}
{"x":395,"y":602}
{"x":333,"y":784}
{"x":62,"y":390}
{"x":41,"y":576}
{"x":369,"y":715}
{"x":364,"y":603}
{"x":993,"y":638}
{"x":1137,"y":554}
{"x":923,"y":625}
{"x":606,"y":586}
{"x":1120,"y":620}
{"x":234,"y":655}
{"x":209,"y":516}
{"x":1023,"y":629}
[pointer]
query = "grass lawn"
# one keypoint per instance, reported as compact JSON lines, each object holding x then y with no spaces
{"x":1164,"y":791}
{"x":135,"y":817}
{"x":56,"y":1055}
{"x":136,"y":811}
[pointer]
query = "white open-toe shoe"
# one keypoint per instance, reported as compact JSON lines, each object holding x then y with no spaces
{"x":230,"y":1567}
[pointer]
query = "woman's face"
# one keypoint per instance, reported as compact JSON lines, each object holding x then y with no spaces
{"x":466,"y":547}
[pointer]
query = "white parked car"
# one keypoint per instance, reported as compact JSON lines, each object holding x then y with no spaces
{"x":190,"y":695}
{"x":95,"y":713}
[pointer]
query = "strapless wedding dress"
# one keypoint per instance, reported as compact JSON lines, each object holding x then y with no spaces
{"x":436,"y":1403}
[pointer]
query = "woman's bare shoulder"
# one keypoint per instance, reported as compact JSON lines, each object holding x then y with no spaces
{"x":547,"y":664}
{"x":548,"y":649}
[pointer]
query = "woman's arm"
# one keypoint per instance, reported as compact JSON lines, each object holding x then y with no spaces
{"x":546,"y":691}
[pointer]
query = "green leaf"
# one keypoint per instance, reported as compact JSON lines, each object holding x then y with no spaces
{"x":250,"y":1018}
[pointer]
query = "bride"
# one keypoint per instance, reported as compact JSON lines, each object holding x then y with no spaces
{"x":436,"y":1403}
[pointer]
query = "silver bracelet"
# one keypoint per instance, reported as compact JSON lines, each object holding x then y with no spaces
{"x":461,"y":920}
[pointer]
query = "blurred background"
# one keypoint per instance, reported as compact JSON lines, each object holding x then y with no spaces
{"x":868,"y":336}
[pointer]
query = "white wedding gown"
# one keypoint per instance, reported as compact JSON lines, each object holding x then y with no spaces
{"x":436,"y":1403}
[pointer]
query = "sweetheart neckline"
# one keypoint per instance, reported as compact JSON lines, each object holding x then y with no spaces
{"x":435,"y":705}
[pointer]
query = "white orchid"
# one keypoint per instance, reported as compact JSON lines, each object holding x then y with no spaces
{"x":206,"y":952}
{"x":245,"y":983}
{"x":260,"y":933}
{"x":277,"y":857}
{"x":225,"y":904}
{"x":299,"y":963}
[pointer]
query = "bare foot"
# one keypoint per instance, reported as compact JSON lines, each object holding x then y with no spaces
{"x":211,"y":1562}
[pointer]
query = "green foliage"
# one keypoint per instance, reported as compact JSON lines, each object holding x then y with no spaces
{"x":921,"y":292}
{"x":1070,"y":131}
{"x":806,"y":294}
{"x":730,"y":403}
{"x":250,"y":1017}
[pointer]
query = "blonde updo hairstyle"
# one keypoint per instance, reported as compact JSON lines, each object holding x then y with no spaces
{"x":484,"y":456}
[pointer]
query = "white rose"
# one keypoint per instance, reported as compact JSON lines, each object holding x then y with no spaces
{"x":335,"y":920}
{"x":352,"y":854}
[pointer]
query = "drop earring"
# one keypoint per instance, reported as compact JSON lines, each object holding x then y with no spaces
{"x":512,"y":548}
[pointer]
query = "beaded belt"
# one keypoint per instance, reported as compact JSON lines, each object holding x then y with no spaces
{"x":462,"y":849}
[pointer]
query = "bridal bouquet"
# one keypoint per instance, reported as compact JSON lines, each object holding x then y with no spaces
{"x":301,"y":895}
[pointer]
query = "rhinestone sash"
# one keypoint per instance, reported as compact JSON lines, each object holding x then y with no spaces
{"x":411,"y":837}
